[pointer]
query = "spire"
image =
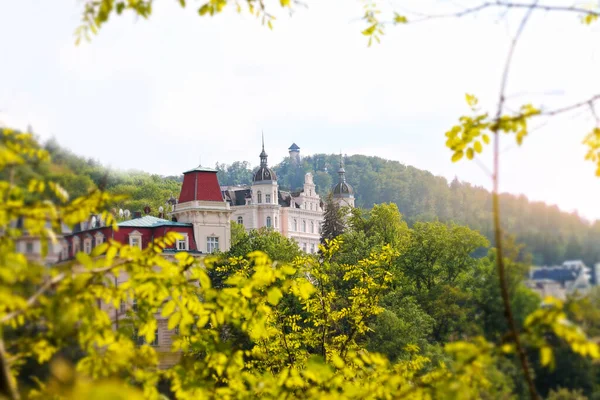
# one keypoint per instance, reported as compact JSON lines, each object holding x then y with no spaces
{"x":342,"y":171}
{"x":263,"y":154}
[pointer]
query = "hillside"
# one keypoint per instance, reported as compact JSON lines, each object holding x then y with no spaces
{"x":551,"y":235}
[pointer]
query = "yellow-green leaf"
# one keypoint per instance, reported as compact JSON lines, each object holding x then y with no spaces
{"x":274,"y":295}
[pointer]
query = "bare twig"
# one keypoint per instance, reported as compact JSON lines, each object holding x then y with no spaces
{"x":507,"y":5}
{"x":496,"y":211}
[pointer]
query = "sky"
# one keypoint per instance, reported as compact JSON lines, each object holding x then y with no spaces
{"x":165,"y":94}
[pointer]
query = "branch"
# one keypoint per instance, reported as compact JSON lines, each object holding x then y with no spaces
{"x":496,"y":212}
{"x":49,"y":284}
{"x":508,"y":5}
{"x":7,"y":389}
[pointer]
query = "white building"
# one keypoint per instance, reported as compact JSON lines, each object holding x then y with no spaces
{"x":296,"y":215}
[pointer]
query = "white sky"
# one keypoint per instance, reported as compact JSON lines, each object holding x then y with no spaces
{"x":159,"y":95}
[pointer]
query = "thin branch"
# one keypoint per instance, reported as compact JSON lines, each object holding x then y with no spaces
{"x":7,"y":388}
{"x":507,"y":5}
{"x":498,"y":235}
{"x":31,"y":301}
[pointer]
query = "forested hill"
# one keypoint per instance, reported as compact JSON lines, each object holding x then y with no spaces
{"x":551,"y":236}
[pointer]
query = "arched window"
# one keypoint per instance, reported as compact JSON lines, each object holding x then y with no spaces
{"x":240,"y":220}
{"x":303,"y":226}
{"x":295,"y":225}
{"x":259,"y":196}
{"x":268,"y":198}
{"x":268,"y":222}
{"x":312,"y":227}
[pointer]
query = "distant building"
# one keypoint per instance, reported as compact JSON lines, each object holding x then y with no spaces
{"x":343,"y":193}
{"x":294,"y":152}
{"x":296,"y":215}
{"x":570,"y":278}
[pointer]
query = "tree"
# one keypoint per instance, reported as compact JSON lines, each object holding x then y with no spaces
{"x":274,"y":244}
{"x":333,"y":220}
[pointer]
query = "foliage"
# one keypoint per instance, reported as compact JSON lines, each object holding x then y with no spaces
{"x":246,"y":326}
{"x":267,"y":240}
{"x":333,"y":220}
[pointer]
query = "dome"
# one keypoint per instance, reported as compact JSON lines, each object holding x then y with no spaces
{"x":342,"y":189}
{"x":264,"y":173}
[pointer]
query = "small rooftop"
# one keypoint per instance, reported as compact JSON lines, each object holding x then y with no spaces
{"x":200,"y":168}
{"x":149,"y":221}
{"x":294,"y":146}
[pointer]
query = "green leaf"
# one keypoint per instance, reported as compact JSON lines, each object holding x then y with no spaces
{"x":546,"y":356}
{"x":457,"y":156}
{"x":204,"y":9}
{"x":274,"y":295}
{"x":400,"y":19}
{"x":285,"y":3}
{"x":470,"y":153}
{"x":478,"y":147}
{"x":369,"y":31}
{"x":486,"y":138}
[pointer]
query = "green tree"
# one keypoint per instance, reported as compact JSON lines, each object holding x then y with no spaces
{"x":333,"y":220}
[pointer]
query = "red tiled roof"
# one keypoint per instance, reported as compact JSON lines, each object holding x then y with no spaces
{"x":200,"y":185}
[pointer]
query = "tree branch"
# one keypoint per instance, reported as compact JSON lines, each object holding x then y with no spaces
{"x":496,"y":212}
{"x":508,"y":5}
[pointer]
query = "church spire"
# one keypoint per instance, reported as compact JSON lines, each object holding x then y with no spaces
{"x":263,"y":154}
{"x":342,"y":171}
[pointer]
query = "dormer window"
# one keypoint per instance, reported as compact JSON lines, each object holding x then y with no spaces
{"x":87,"y":245}
{"x":182,"y":245}
{"x":135,"y":239}
{"x":99,"y":238}
{"x":76,"y":245}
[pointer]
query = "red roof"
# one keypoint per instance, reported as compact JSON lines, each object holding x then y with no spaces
{"x":200,"y":185}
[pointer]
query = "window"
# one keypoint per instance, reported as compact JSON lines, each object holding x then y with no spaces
{"x":310,"y":191}
{"x":87,"y":246}
{"x":135,"y":239}
{"x":182,"y":244}
{"x":267,"y":198}
{"x":122,"y":307}
{"x":28,"y":247}
{"x":268,"y":221}
{"x":304,"y":247}
{"x":295,"y":225}
{"x":99,"y":239}
{"x":240,"y":220}
{"x":312,"y":247}
{"x":310,"y":205}
{"x":212,"y":244}
{"x":76,"y":246}
{"x":259,"y":197}
{"x":134,"y":305}
{"x":303,"y":226}
{"x":276,"y":222}
{"x":312,"y":227}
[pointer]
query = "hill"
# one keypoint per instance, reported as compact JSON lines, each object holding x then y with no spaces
{"x":550,"y":234}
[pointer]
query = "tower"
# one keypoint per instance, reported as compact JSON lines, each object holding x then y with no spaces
{"x":201,"y":204}
{"x":294,"y":153}
{"x":343,"y":194}
{"x":265,"y":193}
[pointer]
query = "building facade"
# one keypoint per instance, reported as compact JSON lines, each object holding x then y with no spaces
{"x":296,"y":215}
